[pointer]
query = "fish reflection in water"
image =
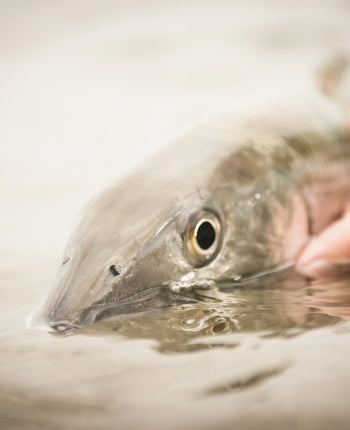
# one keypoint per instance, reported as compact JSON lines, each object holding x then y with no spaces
{"x":196,"y":326}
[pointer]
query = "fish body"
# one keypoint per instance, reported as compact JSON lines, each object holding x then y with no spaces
{"x":237,"y":195}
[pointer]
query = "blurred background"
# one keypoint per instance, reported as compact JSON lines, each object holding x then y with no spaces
{"x":89,"y":88}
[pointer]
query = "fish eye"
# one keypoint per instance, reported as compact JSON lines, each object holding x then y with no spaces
{"x":203,"y":238}
{"x":205,"y":234}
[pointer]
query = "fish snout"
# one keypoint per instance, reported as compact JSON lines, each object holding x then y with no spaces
{"x":38,"y":320}
{"x":56,"y":322}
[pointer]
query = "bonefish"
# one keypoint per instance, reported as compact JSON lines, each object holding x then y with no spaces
{"x":236,"y":196}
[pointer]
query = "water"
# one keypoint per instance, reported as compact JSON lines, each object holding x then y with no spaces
{"x":266,"y":358}
{"x":87,"y":91}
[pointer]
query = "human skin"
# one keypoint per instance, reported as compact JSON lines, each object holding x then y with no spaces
{"x":328,"y":254}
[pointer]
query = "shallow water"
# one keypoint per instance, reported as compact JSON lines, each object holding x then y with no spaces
{"x":266,"y":358}
{"x":87,"y":92}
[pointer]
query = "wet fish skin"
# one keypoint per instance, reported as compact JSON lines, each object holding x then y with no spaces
{"x":274,"y":171}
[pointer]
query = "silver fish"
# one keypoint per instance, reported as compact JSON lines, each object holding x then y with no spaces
{"x":234,"y":198}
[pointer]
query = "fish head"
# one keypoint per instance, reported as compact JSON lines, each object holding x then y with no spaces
{"x":202,"y":210}
{"x":133,"y":250}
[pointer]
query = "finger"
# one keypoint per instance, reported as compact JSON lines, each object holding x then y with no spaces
{"x":329,"y":252}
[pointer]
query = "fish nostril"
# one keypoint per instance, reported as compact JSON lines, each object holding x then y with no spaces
{"x":65,"y":260}
{"x":114,"y":270}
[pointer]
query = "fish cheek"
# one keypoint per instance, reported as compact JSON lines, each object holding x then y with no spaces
{"x":159,"y":263}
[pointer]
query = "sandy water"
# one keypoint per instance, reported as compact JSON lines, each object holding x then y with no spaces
{"x":88,"y":90}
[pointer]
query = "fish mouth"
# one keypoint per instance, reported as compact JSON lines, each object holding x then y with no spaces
{"x":38,"y":320}
{"x":138,"y":304}
{"x":62,"y":326}
{"x":61,"y":318}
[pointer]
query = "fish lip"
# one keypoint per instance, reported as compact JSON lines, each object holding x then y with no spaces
{"x":63,"y":326}
{"x":137,"y":304}
{"x":152,"y":298}
{"x":41,"y":319}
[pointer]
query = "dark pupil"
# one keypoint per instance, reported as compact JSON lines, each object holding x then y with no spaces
{"x":205,"y":235}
